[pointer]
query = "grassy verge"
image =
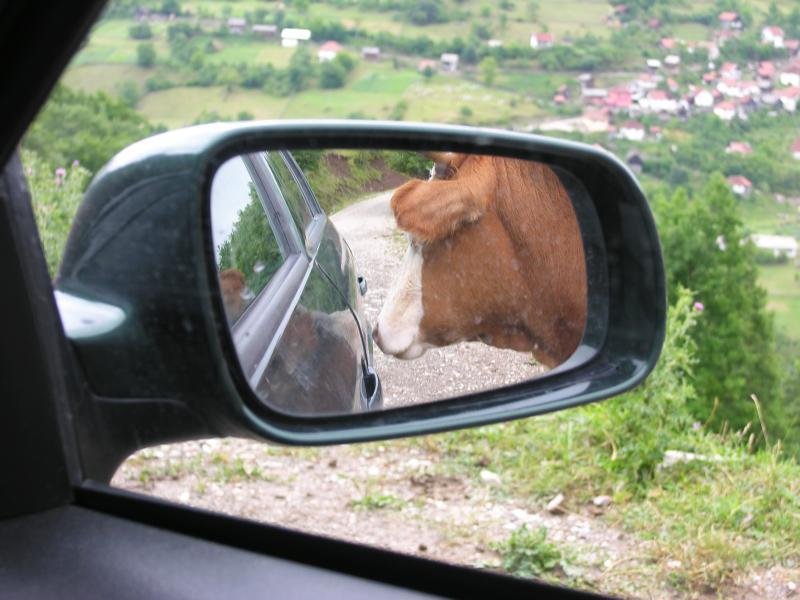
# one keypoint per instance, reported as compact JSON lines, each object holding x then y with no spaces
{"x":722,"y":510}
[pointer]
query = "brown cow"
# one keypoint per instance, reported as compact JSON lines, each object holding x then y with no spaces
{"x":234,"y":290}
{"x":495,"y":255}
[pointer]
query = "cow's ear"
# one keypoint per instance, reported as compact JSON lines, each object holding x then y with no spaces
{"x":434,"y":210}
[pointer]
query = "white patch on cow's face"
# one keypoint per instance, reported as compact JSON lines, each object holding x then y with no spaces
{"x":398,"y":323}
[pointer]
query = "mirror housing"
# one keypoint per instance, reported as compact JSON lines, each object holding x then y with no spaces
{"x":151,"y":334}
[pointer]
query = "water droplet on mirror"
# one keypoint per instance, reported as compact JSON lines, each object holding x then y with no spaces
{"x":259,"y":266}
{"x":247,"y":294}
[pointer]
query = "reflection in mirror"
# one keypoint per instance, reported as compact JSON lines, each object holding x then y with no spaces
{"x":475,"y":268}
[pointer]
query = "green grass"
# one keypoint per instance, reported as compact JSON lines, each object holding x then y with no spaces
{"x":248,"y":50}
{"x":109,"y":77}
{"x":109,"y":43}
{"x":718,"y":518}
{"x":181,"y":106}
{"x":782,"y":283}
{"x":377,"y":501}
{"x":691,"y":32}
{"x":537,"y":85}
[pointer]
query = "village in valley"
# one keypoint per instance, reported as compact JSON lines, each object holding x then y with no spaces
{"x":676,"y":90}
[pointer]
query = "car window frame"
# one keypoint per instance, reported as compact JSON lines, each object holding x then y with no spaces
{"x":267,"y":312}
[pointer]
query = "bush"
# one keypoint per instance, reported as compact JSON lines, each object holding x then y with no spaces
{"x":145,"y":55}
{"x":529,"y":554}
{"x":700,"y":238}
{"x":768,"y":257}
{"x":55,"y":195}
{"x":157,"y":83}
{"x":332,"y":75}
{"x":140,"y":31}
{"x":641,"y":424}
{"x":89,"y":128}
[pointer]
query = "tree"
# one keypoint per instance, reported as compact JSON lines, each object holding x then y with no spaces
{"x":89,"y":128}
{"x":332,"y":75}
{"x":426,"y":12}
{"x":300,"y":70}
{"x":171,"y":7}
{"x":251,"y":247}
{"x":140,"y":31}
{"x":145,"y":55}
{"x":488,"y":68}
{"x":533,"y":10}
{"x":703,"y":243}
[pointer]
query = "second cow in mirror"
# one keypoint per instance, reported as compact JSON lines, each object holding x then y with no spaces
{"x":495,"y":254}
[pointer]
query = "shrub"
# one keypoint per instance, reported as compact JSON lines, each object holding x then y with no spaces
{"x":332,"y":75}
{"x":140,"y":31}
{"x":640,"y":425}
{"x":55,"y":195}
{"x":528,"y":553}
{"x":145,"y":55}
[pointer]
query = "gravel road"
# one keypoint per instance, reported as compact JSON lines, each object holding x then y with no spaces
{"x":378,"y":247}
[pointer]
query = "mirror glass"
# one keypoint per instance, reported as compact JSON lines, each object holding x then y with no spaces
{"x":363,"y":280}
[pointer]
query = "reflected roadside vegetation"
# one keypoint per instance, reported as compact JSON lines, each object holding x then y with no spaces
{"x":474,"y":266}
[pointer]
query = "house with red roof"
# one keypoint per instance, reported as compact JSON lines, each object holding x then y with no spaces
{"x":725,"y":110}
{"x":738,"y":148}
{"x":668,"y":43}
{"x":772,"y":35}
{"x":740,"y":185}
{"x":790,"y":74}
{"x":618,"y":99}
{"x":796,"y":149}
{"x":730,"y":20}
{"x":633,"y":131}
{"x":542,"y":40}
{"x":329,"y":51}
{"x":788,"y":97}
{"x":730,"y":70}
{"x":766,"y":69}
{"x":427,"y":65}
{"x":703,"y":99}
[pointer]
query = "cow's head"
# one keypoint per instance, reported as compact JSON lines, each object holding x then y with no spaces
{"x":477,"y":266}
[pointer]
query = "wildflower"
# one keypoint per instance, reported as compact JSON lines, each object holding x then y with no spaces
{"x":61,"y":172}
{"x":76,"y":163}
{"x":699,"y":306}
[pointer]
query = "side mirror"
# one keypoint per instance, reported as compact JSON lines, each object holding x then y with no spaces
{"x":206,"y":292}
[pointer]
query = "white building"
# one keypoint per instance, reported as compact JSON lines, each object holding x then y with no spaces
{"x":449,"y":62}
{"x":265,"y":29}
{"x":632,"y":131}
{"x":740,"y":185}
{"x":237,"y":25}
{"x":788,"y":98}
{"x":703,"y":99}
{"x":291,"y":37}
{"x":777,"y":244}
{"x":725,"y":111}
{"x":328,"y":51}
{"x":791,"y":75}
{"x":772,"y":35}
{"x":541,"y":40}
